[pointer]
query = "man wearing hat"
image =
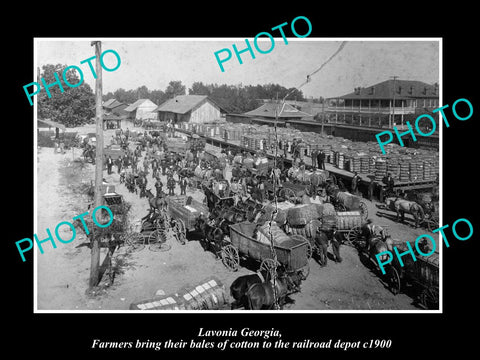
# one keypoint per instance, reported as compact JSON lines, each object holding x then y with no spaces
{"x":321,"y":240}
{"x":336,"y":242}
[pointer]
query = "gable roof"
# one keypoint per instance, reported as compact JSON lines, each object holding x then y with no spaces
{"x":136,"y":104}
{"x":403,"y":89}
{"x":268,"y":110}
{"x":112,"y":104}
{"x":182,"y":104}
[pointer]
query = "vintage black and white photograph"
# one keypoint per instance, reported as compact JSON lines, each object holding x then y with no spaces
{"x":296,"y":174}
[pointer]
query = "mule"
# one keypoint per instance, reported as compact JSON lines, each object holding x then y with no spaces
{"x":402,"y":206}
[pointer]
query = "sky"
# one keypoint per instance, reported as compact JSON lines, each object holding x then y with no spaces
{"x":156,"y":62}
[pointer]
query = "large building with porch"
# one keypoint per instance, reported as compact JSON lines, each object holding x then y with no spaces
{"x":386,"y":104}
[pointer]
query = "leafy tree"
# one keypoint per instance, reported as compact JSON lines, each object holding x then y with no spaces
{"x":74,"y":106}
{"x":174,"y":88}
{"x":198,"y":88}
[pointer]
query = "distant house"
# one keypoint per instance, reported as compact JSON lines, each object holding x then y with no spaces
{"x":142,"y":109}
{"x":113,"y":106}
{"x":189,"y":108}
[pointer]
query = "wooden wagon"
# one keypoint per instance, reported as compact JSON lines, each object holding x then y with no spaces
{"x":114,"y":151}
{"x":348,"y":226}
{"x":292,"y":254}
{"x":154,"y":230}
{"x":185,"y":211}
{"x":430,"y":207}
{"x":344,"y":201}
{"x":422,"y":274}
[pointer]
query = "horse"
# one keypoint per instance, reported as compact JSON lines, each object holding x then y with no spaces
{"x":211,"y":235}
{"x":379,"y":244}
{"x":89,"y":153}
{"x":159,"y":203}
{"x":240,"y":286}
{"x":264,"y":295}
{"x":402,"y":206}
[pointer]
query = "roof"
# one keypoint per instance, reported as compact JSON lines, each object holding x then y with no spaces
{"x":268,"y":110}
{"x":405,"y":89}
{"x":112,"y":104}
{"x":136,"y":104}
{"x":51,"y":123}
{"x":182,"y":104}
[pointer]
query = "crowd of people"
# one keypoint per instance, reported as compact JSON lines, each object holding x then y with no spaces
{"x":252,"y":174}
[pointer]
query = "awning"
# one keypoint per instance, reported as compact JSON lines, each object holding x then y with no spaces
{"x":51,"y":123}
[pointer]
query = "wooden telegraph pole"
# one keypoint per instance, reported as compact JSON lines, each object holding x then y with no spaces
{"x":95,"y":255}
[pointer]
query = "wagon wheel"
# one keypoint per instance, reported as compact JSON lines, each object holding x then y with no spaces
{"x":363,"y":210}
{"x":290,"y":195}
{"x":270,"y":265}
{"x":429,"y":298}
{"x":180,"y":231}
{"x":334,"y":179}
{"x":354,"y":236}
{"x":433,"y":222}
{"x":393,"y":280}
{"x":305,"y":270}
{"x":230,"y":257}
{"x":157,"y":241}
{"x":135,"y":241}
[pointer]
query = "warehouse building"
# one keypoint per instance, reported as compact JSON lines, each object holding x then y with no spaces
{"x":142,"y":109}
{"x":198,"y":109}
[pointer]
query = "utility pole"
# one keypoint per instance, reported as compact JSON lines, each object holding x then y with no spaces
{"x":95,"y":255}
{"x":394,"y":91}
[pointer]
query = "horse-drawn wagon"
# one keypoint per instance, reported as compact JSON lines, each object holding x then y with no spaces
{"x":345,"y":201}
{"x":185,"y":210}
{"x":422,"y":274}
{"x":430,"y":206}
{"x":218,"y":195}
{"x":153,"y":230}
{"x":248,"y":241}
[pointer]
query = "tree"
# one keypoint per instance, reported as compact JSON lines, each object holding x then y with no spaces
{"x":72,"y":107}
{"x":198,"y":88}
{"x":174,"y":88}
{"x":157,"y":96}
{"x":142,"y":92}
